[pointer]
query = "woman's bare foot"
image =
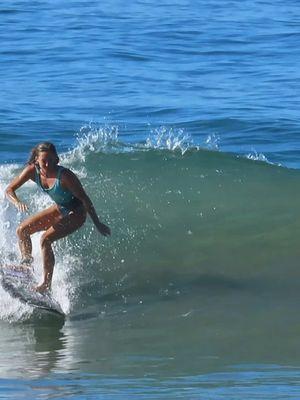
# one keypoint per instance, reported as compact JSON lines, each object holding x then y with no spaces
{"x":26,"y":264}
{"x":27,"y":261}
{"x":44,"y":287}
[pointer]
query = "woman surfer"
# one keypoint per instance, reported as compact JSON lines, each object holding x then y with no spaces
{"x":64,"y":217}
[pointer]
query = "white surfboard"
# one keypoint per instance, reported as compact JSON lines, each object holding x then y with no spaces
{"x":20,"y":282}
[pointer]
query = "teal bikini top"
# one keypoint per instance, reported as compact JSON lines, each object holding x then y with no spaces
{"x":60,"y":196}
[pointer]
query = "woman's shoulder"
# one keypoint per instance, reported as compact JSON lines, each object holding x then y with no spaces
{"x":27,"y":173}
{"x":66,"y":173}
{"x":30,"y":169}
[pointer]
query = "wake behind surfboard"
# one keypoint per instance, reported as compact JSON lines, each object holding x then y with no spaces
{"x":19,"y":282}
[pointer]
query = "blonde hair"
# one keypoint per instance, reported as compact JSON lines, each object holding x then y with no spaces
{"x":39,"y":148}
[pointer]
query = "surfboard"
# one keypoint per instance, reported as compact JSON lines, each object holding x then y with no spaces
{"x":20,"y":282}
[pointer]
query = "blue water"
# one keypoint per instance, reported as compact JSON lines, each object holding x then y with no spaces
{"x":229,"y":69}
{"x":189,"y":298}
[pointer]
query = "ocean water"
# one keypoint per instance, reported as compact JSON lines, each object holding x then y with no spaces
{"x":181,"y":119}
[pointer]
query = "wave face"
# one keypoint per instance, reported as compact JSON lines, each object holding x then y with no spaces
{"x":182,"y":221}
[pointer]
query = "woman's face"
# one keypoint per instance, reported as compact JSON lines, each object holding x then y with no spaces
{"x":46,"y":160}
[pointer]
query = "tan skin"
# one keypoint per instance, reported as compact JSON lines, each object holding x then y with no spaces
{"x":51,"y":221}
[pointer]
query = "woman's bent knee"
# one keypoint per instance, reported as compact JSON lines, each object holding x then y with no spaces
{"x":23,"y":230}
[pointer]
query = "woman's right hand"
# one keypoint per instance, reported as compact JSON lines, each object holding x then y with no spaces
{"x":22,"y":207}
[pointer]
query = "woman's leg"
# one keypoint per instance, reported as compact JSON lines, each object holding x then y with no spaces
{"x":38,"y":222}
{"x":58,"y":230}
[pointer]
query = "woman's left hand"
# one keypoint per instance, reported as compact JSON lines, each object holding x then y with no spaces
{"x":103,"y":229}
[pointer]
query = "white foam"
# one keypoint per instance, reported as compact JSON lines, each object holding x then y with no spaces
{"x":255,"y":156}
{"x":91,"y":139}
{"x":169,"y":139}
{"x":212,"y":142}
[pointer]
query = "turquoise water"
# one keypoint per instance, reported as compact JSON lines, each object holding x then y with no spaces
{"x":181,"y":120}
